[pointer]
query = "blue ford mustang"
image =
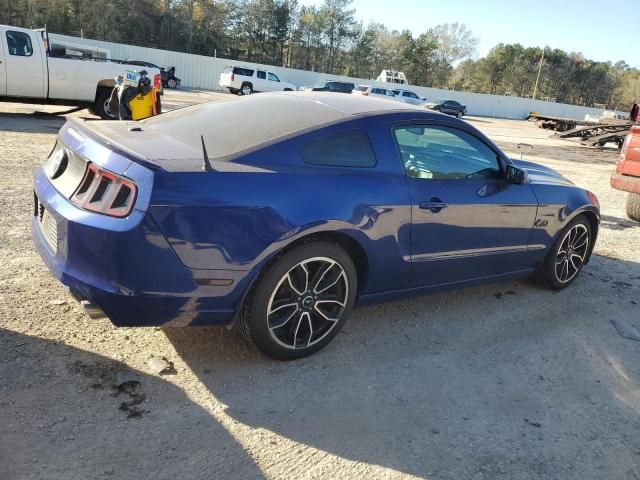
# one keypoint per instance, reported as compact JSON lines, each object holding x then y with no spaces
{"x":279,"y":212}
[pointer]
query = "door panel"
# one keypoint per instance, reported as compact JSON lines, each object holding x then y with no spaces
{"x":3,"y":74}
{"x":24,"y":65}
{"x":467,"y":221}
{"x":466,"y":229}
{"x":261,"y":81}
{"x":273,"y":82}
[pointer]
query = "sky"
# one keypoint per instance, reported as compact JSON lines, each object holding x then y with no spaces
{"x":601,"y":30}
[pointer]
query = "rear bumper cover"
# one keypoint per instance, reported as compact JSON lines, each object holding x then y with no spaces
{"x":132,"y":273}
{"x":626,"y":183}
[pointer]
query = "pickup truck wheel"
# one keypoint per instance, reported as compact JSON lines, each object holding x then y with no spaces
{"x":171,"y":83}
{"x":246,"y":89}
{"x":633,"y":206}
{"x":101,"y":106}
{"x":301,"y":301}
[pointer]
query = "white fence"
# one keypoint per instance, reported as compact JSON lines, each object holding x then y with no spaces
{"x":198,"y":71}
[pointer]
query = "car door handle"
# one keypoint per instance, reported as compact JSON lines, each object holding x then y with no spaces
{"x":435,"y":205}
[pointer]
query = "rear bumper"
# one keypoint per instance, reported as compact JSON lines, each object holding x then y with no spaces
{"x":129,"y":272}
{"x":626,"y":183}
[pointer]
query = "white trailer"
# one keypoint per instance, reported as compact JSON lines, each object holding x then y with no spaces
{"x":392,"y":76}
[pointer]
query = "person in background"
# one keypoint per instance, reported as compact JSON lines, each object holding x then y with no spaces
{"x":634,"y":115}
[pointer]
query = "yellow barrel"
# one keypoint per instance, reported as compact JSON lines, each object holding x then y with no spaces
{"x":142,"y":106}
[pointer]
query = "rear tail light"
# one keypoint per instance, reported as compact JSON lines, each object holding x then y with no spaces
{"x":233,"y":77}
{"x":366,"y":94}
{"x":105,"y":192}
{"x":157,"y":81}
{"x":594,"y":200}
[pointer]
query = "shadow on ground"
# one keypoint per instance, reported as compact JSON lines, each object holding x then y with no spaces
{"x":50,"y":431}
{"x":617,"y":223}
{"x":507,"y":381}
{"x":24,"y":122}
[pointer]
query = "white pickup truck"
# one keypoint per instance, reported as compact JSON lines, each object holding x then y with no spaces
{"x":30,"y":73}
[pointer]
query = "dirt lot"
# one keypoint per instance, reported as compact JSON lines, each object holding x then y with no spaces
{"x":505,"y":381}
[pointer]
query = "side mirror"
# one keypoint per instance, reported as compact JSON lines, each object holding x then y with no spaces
{"x":516,"y":175}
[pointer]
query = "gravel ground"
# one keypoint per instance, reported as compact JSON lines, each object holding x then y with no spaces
{"x":503,"y":381}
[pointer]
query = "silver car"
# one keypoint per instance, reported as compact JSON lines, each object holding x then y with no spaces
{"x":369,"y":91}
{"x":407,"y":96}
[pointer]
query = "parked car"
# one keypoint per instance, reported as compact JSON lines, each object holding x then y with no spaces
{"x":245,"y":81}
{"x":330,"y":86}
{"x":627,"y":176}
{"x":408,"y":96}
{"x":369,"y":91}
{"x":184,"y":219}
{"x":28,"y":71}
{"x":450,"y":107}
{"x":168,"y":75}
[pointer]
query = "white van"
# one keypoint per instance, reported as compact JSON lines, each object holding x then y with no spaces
{"x":246,"y":80}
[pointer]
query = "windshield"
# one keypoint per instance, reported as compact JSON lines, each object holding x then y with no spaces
{"x":361,"y":88}
{"x":320,"y":84}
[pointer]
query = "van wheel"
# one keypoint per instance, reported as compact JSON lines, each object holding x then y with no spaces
{"x":101,"y":107}
{"x":246,"y":89}
{"x":633,"y":206}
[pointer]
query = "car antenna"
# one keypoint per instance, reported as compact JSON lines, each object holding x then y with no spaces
{"x":206,"y":165}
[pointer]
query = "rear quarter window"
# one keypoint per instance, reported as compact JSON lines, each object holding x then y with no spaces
{"x":247,"y":72}
{"x":346,"y":149}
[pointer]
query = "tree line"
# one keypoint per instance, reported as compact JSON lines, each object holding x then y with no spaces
{"x":327,"y":38}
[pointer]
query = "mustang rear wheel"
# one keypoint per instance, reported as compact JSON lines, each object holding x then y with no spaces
{"x":568,"y":255}
{"x":301,"y":302}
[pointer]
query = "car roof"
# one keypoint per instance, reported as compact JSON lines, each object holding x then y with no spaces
{"x":233,"y":127}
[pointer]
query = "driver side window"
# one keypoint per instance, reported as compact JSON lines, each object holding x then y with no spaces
{"x":442,"y":153}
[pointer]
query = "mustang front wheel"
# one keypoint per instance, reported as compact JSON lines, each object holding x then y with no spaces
{"x":568,"y":255}
{"x":301,"y":302}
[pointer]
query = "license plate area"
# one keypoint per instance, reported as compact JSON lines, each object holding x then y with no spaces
{"x":47,"y":224}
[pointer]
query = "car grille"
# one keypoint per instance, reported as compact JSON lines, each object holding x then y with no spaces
{"x":47,"y":224}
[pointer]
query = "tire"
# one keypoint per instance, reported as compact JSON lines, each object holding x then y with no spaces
{"x":459,"y":115}
{"x":309,"y":292}
{"x":101,"y":107}
{"x":288,"y":90}
{"x":559,"y":269}
{"x":171,"y":83}
{"x":246,"y":89}
{"x":633,"y":206}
